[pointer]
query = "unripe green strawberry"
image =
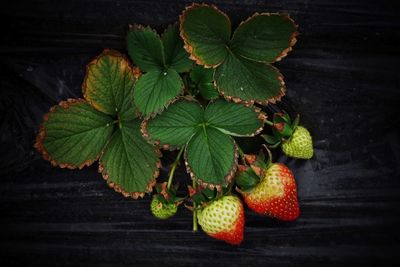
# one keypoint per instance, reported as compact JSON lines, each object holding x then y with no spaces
{"x":162,"y":210}
{"x":223,"y":219}
{"x":275,"y":195}
{"x":299,"y":145}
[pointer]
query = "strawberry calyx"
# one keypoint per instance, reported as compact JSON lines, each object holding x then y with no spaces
{"x":165,"y":203}
{"x":249,"y":176}
{"x":201,"y":197}
{"x":168,"y":195}
{"x":283,"y":128}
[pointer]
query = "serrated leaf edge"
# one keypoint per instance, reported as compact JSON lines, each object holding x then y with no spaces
{"x":175,"y":24}
{"x":228,"y":178}
{"x":132,"y":27}
{"x":107,"y":52}
{"x":261,"y":116}
{"x":169,"y":102}
{"x":119,"y":188}
{"x":145,"y":133}
{"x":251,"y":102}
{"x":292,"y":40}
{"x":187,"y":46}
{"x":42,"y":135}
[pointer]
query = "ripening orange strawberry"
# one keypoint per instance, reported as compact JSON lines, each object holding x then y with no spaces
{"x":275,"y":195}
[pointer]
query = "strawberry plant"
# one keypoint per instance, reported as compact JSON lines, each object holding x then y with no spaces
{"x":195,"y":88}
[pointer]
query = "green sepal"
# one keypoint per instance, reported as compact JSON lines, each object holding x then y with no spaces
{"x":204,"y":196}
{"x":247,"y":179}
{"x":261,"y":162}
{"x":158,"y":188}
{"x":296,"y":122}
{"x":270,"y":139}
{"x":275,"y":145}
{"x":283,"y":125}
{"x":161,"y":198}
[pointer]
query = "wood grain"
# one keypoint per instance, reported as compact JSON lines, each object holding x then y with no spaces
{"x":342,"y":77}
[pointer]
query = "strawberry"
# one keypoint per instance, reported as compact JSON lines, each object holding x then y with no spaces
{"x":162,"y":209}
{"x":299,"y":145}
{"x":223,"y":218}
{"x":275,"y":195}
{"x":269,"y":188}
{"x":295,"y":140}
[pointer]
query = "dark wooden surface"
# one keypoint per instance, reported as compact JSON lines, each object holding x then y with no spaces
{"x":343,"y":77}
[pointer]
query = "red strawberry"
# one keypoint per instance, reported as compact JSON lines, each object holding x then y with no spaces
{"x":275,"y":195}
{"x":223,"y":219}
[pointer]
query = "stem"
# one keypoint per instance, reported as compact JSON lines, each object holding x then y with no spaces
{"x":173,"y":167}
{"x":241,"y":154}
{"x":270,"y":123}
{"x":194,"y":210}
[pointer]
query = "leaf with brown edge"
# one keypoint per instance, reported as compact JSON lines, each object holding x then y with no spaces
{"x":206,"y":32}
{"x":211,"y":157}
{"x":73,"y":134}
{"x":242,"y":80}
{"x":145,"y":48}
{"x":242,"y":72}
{"x":130,"y":164}
{"x":211,"y":153}
{"x":109,"y":83}
{"x":175,"y":55}
{"x":264,"y":37}
{"x":234,"y":119}
{"x":155,"y":90}
{"x":176,"y":125}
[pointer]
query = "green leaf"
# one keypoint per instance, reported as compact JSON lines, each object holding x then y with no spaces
{"x":270,"y":139}
{"x":208,"y":91}
{"x":176,"y":125}
{"x":206,"y":32}
{"x":129,"y":163}
{"x":73,"y":134}
{"x":247,"y":179}
{"x":176,"y":56}
{"x":211,"y":156}
{"x":241,"y":72}
{"x":233,"y":119}
{"x":109,"y":83}
{"x":264,"y":37}
{"x":145,"y":48}
{"x":200,"y":75}
{"x":156,"y":89}
{"x":203,"y":79}
{"x":249,"y":81}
